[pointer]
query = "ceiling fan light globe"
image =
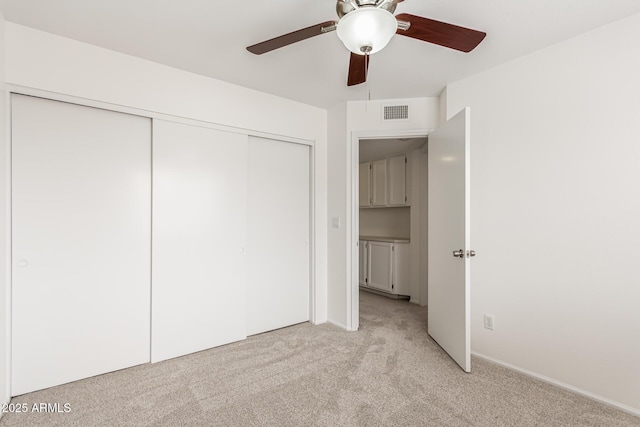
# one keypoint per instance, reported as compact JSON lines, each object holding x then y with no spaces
{"x":367,"y":26}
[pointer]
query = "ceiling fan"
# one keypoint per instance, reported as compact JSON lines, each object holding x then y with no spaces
{"x":366,"y":26}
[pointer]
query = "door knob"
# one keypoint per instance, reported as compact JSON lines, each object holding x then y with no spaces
{"x":471,"y":253}
{"x":458,"y":254}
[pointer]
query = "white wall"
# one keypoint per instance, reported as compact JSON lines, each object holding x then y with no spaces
{"x":4,"y":229}
{"x":555,"y":161}
{"x":360,"y":118}
{"x":42,"y":61}
{"x":418,"y":168}
{"x":45,"y":61}
{"x":385,"y":222}
{"x":337,"y":208}
{"x":367,"y":115}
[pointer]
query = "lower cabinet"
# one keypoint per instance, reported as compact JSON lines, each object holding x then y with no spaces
{"x":381,"y":262}
{"x":363,"y":264}
{"x":384,"y":266}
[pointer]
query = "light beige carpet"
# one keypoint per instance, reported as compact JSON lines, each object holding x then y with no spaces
{"x":390,"y":373}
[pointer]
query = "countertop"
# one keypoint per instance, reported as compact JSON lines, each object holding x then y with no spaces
{"x":385,"y":239}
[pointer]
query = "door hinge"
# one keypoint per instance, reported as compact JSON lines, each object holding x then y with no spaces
{"x":369,"y":166}
{"x":405,"y":159}
{"x":393,"y":286}
{"x":405,"y":199}
{"x":393,"y":248}
{"x":366,"y":280}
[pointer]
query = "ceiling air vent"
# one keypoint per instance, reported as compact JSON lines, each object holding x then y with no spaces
{"x":395,"y":112}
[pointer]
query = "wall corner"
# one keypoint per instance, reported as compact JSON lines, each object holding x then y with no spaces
{"x":4,"y":228}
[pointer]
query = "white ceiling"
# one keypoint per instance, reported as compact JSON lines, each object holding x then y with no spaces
{"x":209,"y":37}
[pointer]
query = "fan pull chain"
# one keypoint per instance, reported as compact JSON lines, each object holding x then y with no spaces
{"x":366,"y":74}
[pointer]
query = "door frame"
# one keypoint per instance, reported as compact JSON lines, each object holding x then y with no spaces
{"x":353,"y":221}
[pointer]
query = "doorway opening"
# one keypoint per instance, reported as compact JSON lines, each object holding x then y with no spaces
{"x":389,"y":207}
{"x":446,"y":251}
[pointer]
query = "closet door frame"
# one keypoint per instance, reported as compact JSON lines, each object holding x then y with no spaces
{"x":10,"y":88}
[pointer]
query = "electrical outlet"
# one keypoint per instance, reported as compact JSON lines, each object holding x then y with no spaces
{"x":489,"y":322}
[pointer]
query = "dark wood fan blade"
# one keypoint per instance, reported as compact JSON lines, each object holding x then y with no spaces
{"x":287,"y":39}
{"x":441,"y":33}
{"x":358,"y":67}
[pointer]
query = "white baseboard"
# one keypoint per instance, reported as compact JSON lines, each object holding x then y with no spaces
{"x":339,"y":325}
{"x":621,"y":406}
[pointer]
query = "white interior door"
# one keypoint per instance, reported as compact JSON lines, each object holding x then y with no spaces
{"x":278,"y":235}
{"x":81,"y":246}
{"x":199,"y":236}
{"x":449,"y":276}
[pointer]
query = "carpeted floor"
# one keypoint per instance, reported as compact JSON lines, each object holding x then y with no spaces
{"x":390,"y":373}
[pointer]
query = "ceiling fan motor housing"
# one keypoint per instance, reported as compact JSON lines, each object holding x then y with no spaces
{"x":345,"y":6}
{"x":367,"y":29}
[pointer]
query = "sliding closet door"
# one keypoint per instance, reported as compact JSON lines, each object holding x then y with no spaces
{"x":278,"y":235}
{"x":199,"y":238}
{"x":81,"y":224}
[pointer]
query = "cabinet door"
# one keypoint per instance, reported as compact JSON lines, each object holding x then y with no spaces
{"x":362,"y":247}
{"x":380,"y":265}
{"x":379,"y":182}
{"x":401,"y":269}
{"x":365,"y":184}
{"x":397,"y":181}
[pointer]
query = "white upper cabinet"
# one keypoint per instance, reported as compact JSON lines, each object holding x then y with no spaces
{"x":397,"y":181}
{"x":379,"y":183}
{"x":383,"y":182}
{"x":365,"y":184}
